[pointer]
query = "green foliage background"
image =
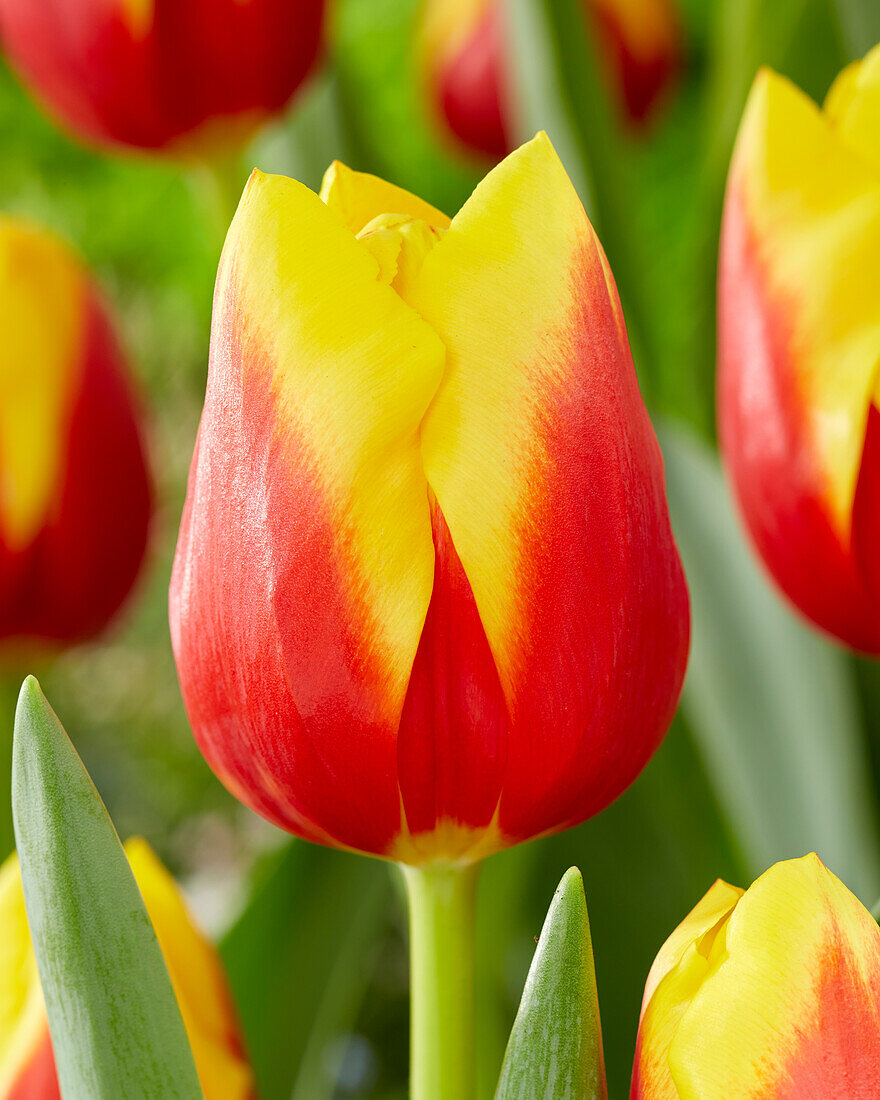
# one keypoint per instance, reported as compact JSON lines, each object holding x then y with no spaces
{"x":776,"y":748}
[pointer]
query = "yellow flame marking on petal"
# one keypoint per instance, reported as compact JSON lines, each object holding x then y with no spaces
{"x":22,"y":1014}
{"x":41,"y":318}
{"x":139,"y":16}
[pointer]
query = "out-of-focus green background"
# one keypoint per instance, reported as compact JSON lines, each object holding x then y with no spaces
{"x":776,"y":749}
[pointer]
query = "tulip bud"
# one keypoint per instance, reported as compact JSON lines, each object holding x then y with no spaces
{"x":172,"y":75}
{"x":799,"y":343}
{"x":426,"y":602}
{"x":74,"y":489}
{"x":27,"y":1065}
{"x":462,"y":53}
{"x":773,"y":992}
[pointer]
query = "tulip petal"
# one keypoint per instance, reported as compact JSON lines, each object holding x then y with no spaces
{"x":27,"y":1063}
{"x":23,"y":1027}
{"x":791,"y":1006}
{"x":545,"y":467}
{"x":803,"y":223}
{"x":358,"y":198}
{"x":298,"y":617}
{"x":680,"y":966}
{"x":198,"y":980}
{"x":74,"y":489}
{"x":41,"y":316}
{"x":138,"y":16}
{"x":852,"y":106}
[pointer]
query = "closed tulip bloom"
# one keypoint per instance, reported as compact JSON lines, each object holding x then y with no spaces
{"x":426,"y":602}
{"x":462,"y":57}
{"x":162,"y":74}
{"x":27,"y":1064}
{"x":799,"y":344}
{"x":772,"y":993}
{"x":74,"y":489}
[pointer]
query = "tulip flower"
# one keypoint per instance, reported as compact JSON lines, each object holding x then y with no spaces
{"x":462,"y":52}
{"x":173,"y":75}
{"x":426,"y":602}
{"x":74,"y":489}
{"x":772,"y":992}
{"x":27,"y":1065}
{"x":799,"y":344}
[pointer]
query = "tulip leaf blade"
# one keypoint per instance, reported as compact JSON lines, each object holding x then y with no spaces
{"x":771,"y":704}
{"x":555,"y":1047}
{"x":860,"y":24}
{"x":116,"y":1028}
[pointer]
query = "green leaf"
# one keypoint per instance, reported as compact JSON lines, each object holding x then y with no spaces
{"x":299,"y":959}
{"x":860,"y":22}
{"x":116,"y":1028}
{"x":555,"y":1046}
{"x":771,"y":704}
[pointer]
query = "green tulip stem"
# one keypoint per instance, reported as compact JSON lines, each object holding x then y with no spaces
{"x":218,"y":182}
{"x":442,"y":910}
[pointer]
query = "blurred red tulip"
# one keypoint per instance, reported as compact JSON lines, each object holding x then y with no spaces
{"x":799,"y":343}
{"x":426,"y":601}
{"x":175,"y":75}
{"x":462,"y":50}
{"x":74,"y":489}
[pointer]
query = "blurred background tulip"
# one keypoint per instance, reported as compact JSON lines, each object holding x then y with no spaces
{"x":457,"y":618}
{"x":467,"y":79}
{"x":27,"y":1066}
{"x":74,"y":488}
{"x":799,"y":343}
{"x":181,"y":76}
{"x":769,"y":992}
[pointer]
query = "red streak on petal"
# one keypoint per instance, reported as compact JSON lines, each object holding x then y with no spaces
{"x":454,"y":727}
{"x":38,"y":1080}
{"x":838,"y":1053}
{"x":604,"y":618}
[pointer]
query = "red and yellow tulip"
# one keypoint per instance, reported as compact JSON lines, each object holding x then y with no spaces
{"x":74,"y":489}
{"x":772,"y":993}
{"x":799,"y":343}
{"x":162,"y":74}
{"x":426,"y":602}
{"x":462,"y":58}
{"x":27,"y":1065}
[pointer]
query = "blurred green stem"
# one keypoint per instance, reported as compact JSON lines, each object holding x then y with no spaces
{"x":442,"y":908}
{"x":218,"y":183}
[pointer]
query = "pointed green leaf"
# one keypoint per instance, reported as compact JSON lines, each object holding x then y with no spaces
{"x":555,"y":1046}
{"x":771,"y":704}
{"x":116,"y":1028}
